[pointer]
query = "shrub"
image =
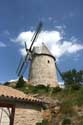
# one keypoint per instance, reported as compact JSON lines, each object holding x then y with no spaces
{"x":39,"y":89}
{"x":81,"y":123}
{"x":79,"y":100}
{"x":44,"y":122}
{"x":57,"y":89}
{"x":38,"y":123}
{"x":75,"y":86}
{"x":66,"y":121}
{"x":6,"y":83}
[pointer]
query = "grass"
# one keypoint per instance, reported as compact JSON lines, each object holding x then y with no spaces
{"x":69,"y":98}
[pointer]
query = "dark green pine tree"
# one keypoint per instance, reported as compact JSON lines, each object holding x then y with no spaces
{"x":21,"y":82}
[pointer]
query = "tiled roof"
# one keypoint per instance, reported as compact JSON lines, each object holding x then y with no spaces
{"x":10,"y":93}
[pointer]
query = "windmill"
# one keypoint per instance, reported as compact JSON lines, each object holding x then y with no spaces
{"x":43,"y":64}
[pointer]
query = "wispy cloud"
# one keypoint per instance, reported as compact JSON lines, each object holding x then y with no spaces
{"x":2,"y":44}
{"x":50,"y":18}
{"x":54,"y":40}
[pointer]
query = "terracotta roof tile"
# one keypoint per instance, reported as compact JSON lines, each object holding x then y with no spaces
{"x":8,"y":92}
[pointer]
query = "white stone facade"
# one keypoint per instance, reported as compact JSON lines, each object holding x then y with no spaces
{"x":43,"y":70}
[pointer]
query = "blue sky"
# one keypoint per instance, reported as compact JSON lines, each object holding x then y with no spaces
{"x":62,"y":32}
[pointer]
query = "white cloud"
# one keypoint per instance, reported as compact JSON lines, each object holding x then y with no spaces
{"x":23,"y":52}
{"x":74,"y":48}
{"x":54,"y":41}
{"x":2,"y":44}
{"x":61,"y":27}
{"x":24,"y":36}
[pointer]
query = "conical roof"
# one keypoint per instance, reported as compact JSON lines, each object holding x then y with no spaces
{"x":43,"y":49}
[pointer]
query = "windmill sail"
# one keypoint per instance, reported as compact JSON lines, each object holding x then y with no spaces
{"x":22,"y":65}
{"x":35,"y":35}
{"x":28,"y":55}
{"x":61,"y":75}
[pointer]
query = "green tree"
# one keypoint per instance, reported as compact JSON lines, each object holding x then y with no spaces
{"x":73,"y":78}
{"x":20,"y":83}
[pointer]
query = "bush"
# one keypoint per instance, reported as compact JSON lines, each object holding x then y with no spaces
{"x":44,"y":122}
{"x":66,"y":121}
{"x":75,"y":86}
{"x":81,"y":123}
{"x":6,"y":83}
{"x":57,"y":89}
{"x":38,"y":89}
{"x":79,"y":100}
{"x":38,"y":123}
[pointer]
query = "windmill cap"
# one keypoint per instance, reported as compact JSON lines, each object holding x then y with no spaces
{"x":42,"y":50}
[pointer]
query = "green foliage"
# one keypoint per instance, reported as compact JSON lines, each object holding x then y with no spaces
{"x":81,"y":123}
{"x":75,"y":86}
{"x":66,"y":121}
{"x":44,"y":122}
{"x":73,"y":78}
{"x":56,"y":89}
{"x":6,"y":83}
{"x":40,"y":89}
{"x":79,"y":99}
{"x":21,"y":83}
{"x":38,"y":123}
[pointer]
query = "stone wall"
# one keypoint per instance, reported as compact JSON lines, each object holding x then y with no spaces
{"x":43,"y":71}
{"x":27,"y":114}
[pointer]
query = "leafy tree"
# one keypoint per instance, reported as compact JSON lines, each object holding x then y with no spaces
{"x":20,"y":83}
{"x":73,"y":78}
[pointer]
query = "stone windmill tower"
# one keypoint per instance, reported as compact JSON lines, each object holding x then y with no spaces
{"x":43,"y":70}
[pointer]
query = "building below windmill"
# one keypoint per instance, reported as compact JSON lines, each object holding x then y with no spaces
{"x":43,"y":69}
{"x":17,"y":108}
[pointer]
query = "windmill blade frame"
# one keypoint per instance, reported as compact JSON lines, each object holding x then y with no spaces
{"x":26,"y":58}
{"x":20,"y":63}
{"x":26,"y":47}
{"x":29,"y":52}
{"x":35,"y":35}
{"x":61,"y":75}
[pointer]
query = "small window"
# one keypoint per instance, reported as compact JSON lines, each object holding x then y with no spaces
{"x":48,"y":61}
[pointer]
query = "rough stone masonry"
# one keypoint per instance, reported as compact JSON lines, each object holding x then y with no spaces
{"x":43,"y":70}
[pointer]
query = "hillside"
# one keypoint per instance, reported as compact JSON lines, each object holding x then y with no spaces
{"x":68,"y":103}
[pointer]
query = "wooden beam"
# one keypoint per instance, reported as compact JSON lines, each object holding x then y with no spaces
{"x":8,"y":105}
{"x":12,"y":115}
{"x":5,"y":104}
